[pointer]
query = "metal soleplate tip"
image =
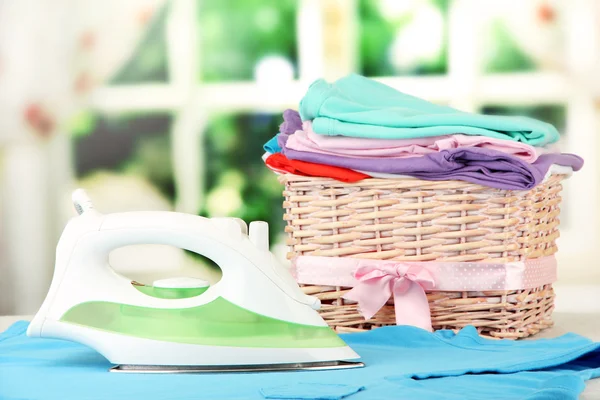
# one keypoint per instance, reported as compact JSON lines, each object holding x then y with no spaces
{"x":185,"y":369}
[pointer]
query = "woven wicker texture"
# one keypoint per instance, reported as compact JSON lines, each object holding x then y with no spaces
{"x":411,"y":219}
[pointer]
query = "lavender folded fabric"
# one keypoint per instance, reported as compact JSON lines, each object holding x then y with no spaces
{"x":477,"y":165}
{"x":291,"y":122}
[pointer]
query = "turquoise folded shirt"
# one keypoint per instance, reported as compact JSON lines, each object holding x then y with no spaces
{"x":402,"y":362}
{"x":272,"y":146}
{"x":360,"y":107}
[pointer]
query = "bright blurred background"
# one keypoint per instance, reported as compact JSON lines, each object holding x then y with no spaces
{"x":165,"y":105}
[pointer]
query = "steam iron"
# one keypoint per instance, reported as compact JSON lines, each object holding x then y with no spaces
{"x":255,"y":318}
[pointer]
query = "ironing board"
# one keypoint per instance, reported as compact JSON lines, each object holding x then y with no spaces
{"x":584,"y":324}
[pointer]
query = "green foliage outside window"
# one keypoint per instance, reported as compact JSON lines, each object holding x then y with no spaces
{"x":238,"y":184}
{"x":236,"y":34}
{"x":378,"y":30}
{"x":552,"y":114}
{"x":148,"y":63}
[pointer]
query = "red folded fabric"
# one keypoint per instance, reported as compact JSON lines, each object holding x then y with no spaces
{"x":281,"y":163}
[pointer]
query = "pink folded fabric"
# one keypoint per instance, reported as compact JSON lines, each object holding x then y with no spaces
{"x":309,"y":141}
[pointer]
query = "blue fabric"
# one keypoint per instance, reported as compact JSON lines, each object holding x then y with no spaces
{"x":360,"y":107}
{"x":401,"y":362}
{"x":272,"y":146}
{"x":310,"y":391}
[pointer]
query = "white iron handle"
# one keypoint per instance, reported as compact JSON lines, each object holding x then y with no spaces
{"x":221,"y":240}
{"x":186,"y":231}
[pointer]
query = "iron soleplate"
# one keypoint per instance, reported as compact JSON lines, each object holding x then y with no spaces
{"x":185,"y":369}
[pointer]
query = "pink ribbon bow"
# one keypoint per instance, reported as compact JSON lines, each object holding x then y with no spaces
{"x":406,"y":281}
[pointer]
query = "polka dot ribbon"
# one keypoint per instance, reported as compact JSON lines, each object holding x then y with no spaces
{"x":375,"y":281}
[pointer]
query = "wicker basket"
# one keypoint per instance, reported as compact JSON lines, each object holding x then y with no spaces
{"x":415,"y":220}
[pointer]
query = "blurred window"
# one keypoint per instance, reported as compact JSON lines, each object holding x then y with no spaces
{"x":148,"y":63}
{"x":523,"y":36}
{"x":403,"y":37}
{"x":237,"y":181}
{"x":135,"y":144}
{"x":240,"y":39}
{"x":552,"y":114}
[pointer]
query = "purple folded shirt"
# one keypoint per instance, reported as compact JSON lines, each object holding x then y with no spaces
{"x":291,"y":122}
{"x":477,"y":165}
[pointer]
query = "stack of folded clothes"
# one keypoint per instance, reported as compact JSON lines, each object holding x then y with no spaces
{"x":357,"y":128}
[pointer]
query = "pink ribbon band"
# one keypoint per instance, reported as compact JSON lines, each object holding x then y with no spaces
{"x":373,"y":282}
{"x":448,"y":276}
